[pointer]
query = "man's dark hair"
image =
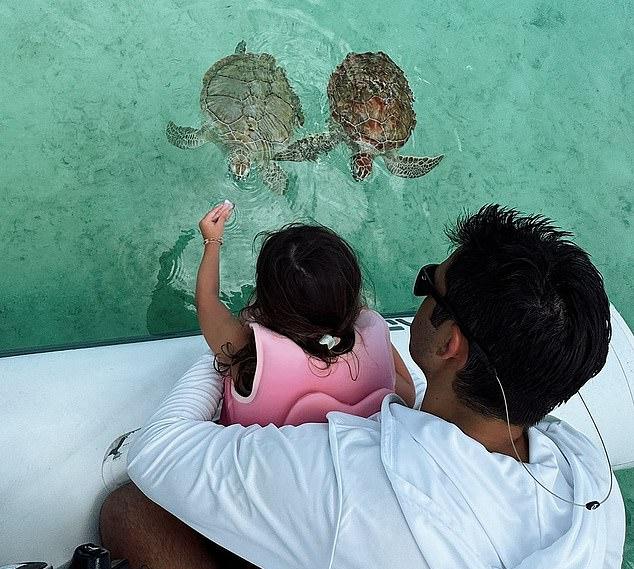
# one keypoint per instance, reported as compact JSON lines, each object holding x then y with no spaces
{"x":536,"y":305}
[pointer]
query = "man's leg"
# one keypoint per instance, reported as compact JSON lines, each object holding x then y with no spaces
{"x":135,"y":528}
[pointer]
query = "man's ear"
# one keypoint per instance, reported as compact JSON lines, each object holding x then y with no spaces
{"x":456,"y":346}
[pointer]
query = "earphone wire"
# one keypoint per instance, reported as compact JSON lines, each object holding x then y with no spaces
{"x":593,"y":504}
{"x":605,"y":450}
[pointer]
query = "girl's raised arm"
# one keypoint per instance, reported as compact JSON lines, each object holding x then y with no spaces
{"x":217,"y":323}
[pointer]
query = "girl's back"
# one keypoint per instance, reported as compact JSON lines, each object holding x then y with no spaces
{"x":305,"y":345}
{"x":290,"y":387}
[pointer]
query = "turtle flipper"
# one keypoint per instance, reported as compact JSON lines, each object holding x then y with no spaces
{"x":361,"y":166}
{"x":241,"y":47}
{"x":186,"y":136}
{"x":274,"y":177}
{"x":411,"y":166}
{"x":308,"y":148}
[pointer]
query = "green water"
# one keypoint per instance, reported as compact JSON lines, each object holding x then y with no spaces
{"x":531,"y":102}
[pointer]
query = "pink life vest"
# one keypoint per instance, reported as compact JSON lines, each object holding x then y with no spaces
{"x":290,"y":387}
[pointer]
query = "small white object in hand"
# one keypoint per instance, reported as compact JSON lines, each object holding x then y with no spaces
{"x":230,"y":204}
{"x":329,"y":341}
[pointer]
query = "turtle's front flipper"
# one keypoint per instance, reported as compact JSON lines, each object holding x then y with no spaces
{"x":411,"y":166}
{"x":186,"y":136}
{"x":274,"y":177}
{"x":308,"y":148}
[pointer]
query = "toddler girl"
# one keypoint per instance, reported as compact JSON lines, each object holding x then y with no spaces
{"x":305,"y":344}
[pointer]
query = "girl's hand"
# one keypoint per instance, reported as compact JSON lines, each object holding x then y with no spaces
{"x":213,"y":224}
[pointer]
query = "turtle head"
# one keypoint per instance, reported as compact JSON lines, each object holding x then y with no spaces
{"x":361,"y":165}
{"x":239,"y":164}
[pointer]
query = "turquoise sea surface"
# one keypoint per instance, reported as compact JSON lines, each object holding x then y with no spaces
{"x":531,"y":103}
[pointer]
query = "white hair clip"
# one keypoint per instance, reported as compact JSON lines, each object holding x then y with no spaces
{"x":329,"y":341}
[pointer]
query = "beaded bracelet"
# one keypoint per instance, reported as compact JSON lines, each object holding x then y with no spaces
{"x":208,"y":240}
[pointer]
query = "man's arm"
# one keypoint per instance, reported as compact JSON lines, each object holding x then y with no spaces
{"x":267,"y":494}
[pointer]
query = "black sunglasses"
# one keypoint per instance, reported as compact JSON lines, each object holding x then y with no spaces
{"x":424,"y":286}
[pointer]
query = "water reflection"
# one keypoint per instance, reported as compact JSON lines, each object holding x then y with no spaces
{"x":172,"y":306}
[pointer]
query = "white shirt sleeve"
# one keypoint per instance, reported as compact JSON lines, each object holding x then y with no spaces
{"x":269,"y":495}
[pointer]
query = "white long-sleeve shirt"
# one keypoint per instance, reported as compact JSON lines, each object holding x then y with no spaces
{"x":401,"y":489}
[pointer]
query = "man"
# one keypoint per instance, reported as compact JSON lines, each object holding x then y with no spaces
{"x":515,"y":322}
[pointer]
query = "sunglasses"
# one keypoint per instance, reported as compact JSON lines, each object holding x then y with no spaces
{"x":424,"y":286}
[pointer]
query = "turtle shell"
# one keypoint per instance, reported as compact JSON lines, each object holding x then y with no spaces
{"x":250,"y":102}
{"x":371,"y":99}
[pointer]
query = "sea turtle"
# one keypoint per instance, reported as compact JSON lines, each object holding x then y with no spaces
{"x":250,"y":109}
{"x":371,"y":110}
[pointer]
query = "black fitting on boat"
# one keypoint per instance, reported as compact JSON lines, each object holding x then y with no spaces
{"x":91,"y":556}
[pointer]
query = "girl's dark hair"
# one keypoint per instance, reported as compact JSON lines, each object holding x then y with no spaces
{"x":308,"y":283}
{"x":535,"y":303}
